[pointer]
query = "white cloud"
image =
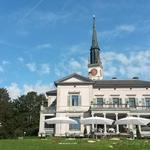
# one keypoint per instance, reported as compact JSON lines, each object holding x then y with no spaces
{"x":5,"y":43}
{"x":4,"y":62}
{"x":39,"y":68}
{"x":32,"y":67}
{"x":31,"y":9}
{"x":1,"y":80}
{"x":45,"y":69}
{"x":125,"y":28}
{"x":77,"y":48}
{"x":71,"y":65}
{"x":14,"y":90}
{"x":38,"y":87}
{"x":20,"y":59}
{"x":111,"y":71}
{"x":113,"y":56}
{"x":127,"y":65}
{"x":118,"y":31}
{"x":71,"y":61}
{"x":50,"y":16}
{"x":74,"y":64}
{"x":122,"y":65}
{"x":44,"y":46}
{"x":40,"y":18}
{"x":23,"y":32}
{"x":1,"y":69}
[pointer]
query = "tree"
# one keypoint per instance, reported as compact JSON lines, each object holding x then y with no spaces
{"x":6,"y":114}
{"x":20,"y":115}
{"x":27,"y":113}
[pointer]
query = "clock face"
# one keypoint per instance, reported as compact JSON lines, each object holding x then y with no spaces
{"x":94,"y":72}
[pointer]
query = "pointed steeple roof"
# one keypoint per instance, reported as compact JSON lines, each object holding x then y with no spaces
{"x":94,"y":50}
{"x":94,"y":36}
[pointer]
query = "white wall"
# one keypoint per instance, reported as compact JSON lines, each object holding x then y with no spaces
{"x":62,"y":97}
{"x":123,"y":93}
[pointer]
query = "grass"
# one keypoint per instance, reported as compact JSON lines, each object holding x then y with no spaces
{"x":73,"y":144}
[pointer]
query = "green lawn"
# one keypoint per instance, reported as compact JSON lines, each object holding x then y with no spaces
{"x":78,"y":144}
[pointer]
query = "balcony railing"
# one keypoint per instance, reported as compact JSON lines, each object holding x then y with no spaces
{"x":119,"y":107}
{"x":49,"y":130}
{"x":50,"y":110}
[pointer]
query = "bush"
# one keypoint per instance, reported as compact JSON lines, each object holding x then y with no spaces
{"x":18,"y":133}
{"x":3,"y":134}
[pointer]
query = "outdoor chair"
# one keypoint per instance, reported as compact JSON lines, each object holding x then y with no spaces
{"x":111,"y":130}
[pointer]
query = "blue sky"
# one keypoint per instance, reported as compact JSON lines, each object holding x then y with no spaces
{"x":44,"y":40}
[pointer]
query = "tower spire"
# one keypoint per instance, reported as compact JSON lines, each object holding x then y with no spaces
{"x":94,"y":36}
{"x":95,"y":66}
{"x":94,"y":54}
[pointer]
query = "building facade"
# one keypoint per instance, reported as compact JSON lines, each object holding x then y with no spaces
{"x":78,"y":97}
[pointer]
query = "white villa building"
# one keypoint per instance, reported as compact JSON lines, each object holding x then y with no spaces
{"x":78,"y":97}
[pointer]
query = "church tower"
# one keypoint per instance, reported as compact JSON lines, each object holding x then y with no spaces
{"x":95,"y":68}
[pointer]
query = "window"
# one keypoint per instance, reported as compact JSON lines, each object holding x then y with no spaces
{"x":147,"y":101}
{"x":75,"y":127}
{"x":99,"y":101}
{"x":132,"y":102}
{"x":116,"y":101}
{"x":74,"y":100}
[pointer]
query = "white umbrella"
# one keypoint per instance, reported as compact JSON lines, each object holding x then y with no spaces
{"x":133,"y":121}
{"x":96,"y":120}
{"x":60,"y":120}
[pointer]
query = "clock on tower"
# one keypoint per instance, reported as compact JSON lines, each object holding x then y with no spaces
{"x":93,"y":72}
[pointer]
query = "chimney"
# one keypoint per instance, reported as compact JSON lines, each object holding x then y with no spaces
{"x":135,"y":78}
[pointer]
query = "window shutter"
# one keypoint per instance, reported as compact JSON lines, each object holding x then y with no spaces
{"x":110,"y":101}
{"x":79,"y":100}
{"x":136,"y":102}
{"x":120,"y":101}
{"x":69,"y":100}
{"x":104,"y":101}
{"x":126,"y":101}
{"x":143,"y":101}
{"x":94,"y":100}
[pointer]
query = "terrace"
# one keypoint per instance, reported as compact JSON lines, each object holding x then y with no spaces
{"x":121,"y":107}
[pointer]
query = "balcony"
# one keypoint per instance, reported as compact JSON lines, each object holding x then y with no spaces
{"x":48,"y":110}
{"x":121,"y":107}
